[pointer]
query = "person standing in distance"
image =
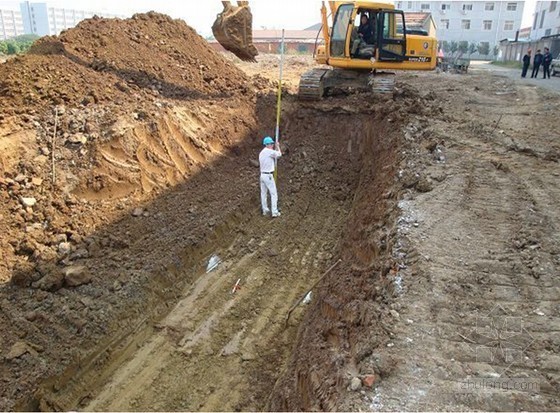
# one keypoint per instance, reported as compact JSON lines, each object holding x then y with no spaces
{"x":537,"y":61}
{"x":267,"y":159}
{"x":526,"y":63}
{"x":546,"y":61}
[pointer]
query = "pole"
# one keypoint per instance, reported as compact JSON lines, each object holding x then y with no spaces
{"x":279,"y":102}
{"x":53,"y":145}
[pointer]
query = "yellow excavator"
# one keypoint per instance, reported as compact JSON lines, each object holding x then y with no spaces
{"x":361,"y":39}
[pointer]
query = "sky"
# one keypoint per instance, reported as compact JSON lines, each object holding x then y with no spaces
{"x":200,"y":14}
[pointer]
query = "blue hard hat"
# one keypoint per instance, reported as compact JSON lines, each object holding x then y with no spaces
{"x":268,"y":141}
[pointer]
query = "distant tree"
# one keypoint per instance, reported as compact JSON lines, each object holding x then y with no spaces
{"x":26,"y":38}
{"x":463,"y":47}
{"x":495,"y":51}
{"x":19,"y":44}
{"x":453,"y":47}
{"x":445,"y":46}
{"x":13,"y":48}
{"x":484,"y":49}
{"x":472,"y":48}
{"x":302,"y":48}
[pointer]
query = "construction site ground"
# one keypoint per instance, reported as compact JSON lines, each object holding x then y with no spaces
{"x":439,"y":205}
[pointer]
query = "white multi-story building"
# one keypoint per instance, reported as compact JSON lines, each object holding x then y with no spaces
{"x":11,"y":24}
{"x":41,"y":19}
{"x":546,"y":19}
{"x":473,"y":21}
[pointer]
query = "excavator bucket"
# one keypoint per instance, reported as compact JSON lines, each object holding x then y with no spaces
{"x":233,"y":29}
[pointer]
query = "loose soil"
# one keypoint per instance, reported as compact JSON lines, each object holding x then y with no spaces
{"x":440,"y":200}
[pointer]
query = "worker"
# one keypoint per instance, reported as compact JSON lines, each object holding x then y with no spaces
{"x":526,"y":63}
{"x":267,"y":160}
{"x":365,"y":30}
{"x":364,"y":35}
{"x":546,"y":61}
{"x":537,"y":61}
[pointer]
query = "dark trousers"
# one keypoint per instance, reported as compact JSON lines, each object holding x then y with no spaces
{"x":546,"y":70}
{"x":536,"y":68}
{"x":524,"y":71}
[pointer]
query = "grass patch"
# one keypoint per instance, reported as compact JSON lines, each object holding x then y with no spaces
{"x":510,"y":64}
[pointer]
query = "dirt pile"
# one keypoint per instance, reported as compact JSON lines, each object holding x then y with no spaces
{"x":113,"y":61}
{"x":113,"y":108}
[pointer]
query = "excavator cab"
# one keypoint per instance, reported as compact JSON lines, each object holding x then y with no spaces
{"x":385,"y":39}
{"x":233,"y":29}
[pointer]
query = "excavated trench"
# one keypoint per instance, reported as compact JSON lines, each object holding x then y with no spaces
{"x":188,"y":342}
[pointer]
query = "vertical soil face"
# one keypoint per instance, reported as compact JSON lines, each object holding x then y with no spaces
{"x":345,"y":320}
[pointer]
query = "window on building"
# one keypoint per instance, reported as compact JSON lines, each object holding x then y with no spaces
{"x":487,"y":25}
{"x":446,"y":6}
{"x":548,"y":32}
{"x":535,"y":21}
{"x":508,"y":25}
{"x":511,"y":7}
{"x":399,"y":5}
{"x":409,"y":4}
{"x":465,"y":24}
{"x":444,"y":23}
{"x":552,"y":5}
{"x":425,"y":6}
{"x":467,"y":6}
{"x":489,"y":6}
{"x":542,"y":19}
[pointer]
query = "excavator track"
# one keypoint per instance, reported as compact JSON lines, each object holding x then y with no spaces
{"x":315,"y":83}
{"x":311,"y":86}
{"x":382,"y":82}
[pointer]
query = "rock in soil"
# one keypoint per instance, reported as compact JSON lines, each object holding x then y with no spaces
{"x":51,"y":282}
{"x":76,"y":275}
{"x":355,"y":384}
{"x":369,"y":380}
{"x":28,"y":202}
{"x":19,"y":349}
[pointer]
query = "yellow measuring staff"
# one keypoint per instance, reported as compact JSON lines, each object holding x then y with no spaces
{"x":279,"y":104}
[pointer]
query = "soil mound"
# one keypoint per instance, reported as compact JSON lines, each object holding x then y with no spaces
{"x":108,"y":110}
{"x":154,"y":47}
{"x":116,"y":61}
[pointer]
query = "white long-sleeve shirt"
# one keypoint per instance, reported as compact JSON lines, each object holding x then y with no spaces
{"x":266,"y":159}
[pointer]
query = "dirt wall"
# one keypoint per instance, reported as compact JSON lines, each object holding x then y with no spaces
{"x":350,"y":316}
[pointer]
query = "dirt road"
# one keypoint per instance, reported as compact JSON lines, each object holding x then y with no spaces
{"x":481,"y":302}
{"x":552,"y":84}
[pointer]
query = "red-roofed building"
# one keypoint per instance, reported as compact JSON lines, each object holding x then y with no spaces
{"x":420,"y":21}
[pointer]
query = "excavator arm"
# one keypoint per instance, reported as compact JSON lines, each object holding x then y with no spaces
{"x":233,"y":29}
